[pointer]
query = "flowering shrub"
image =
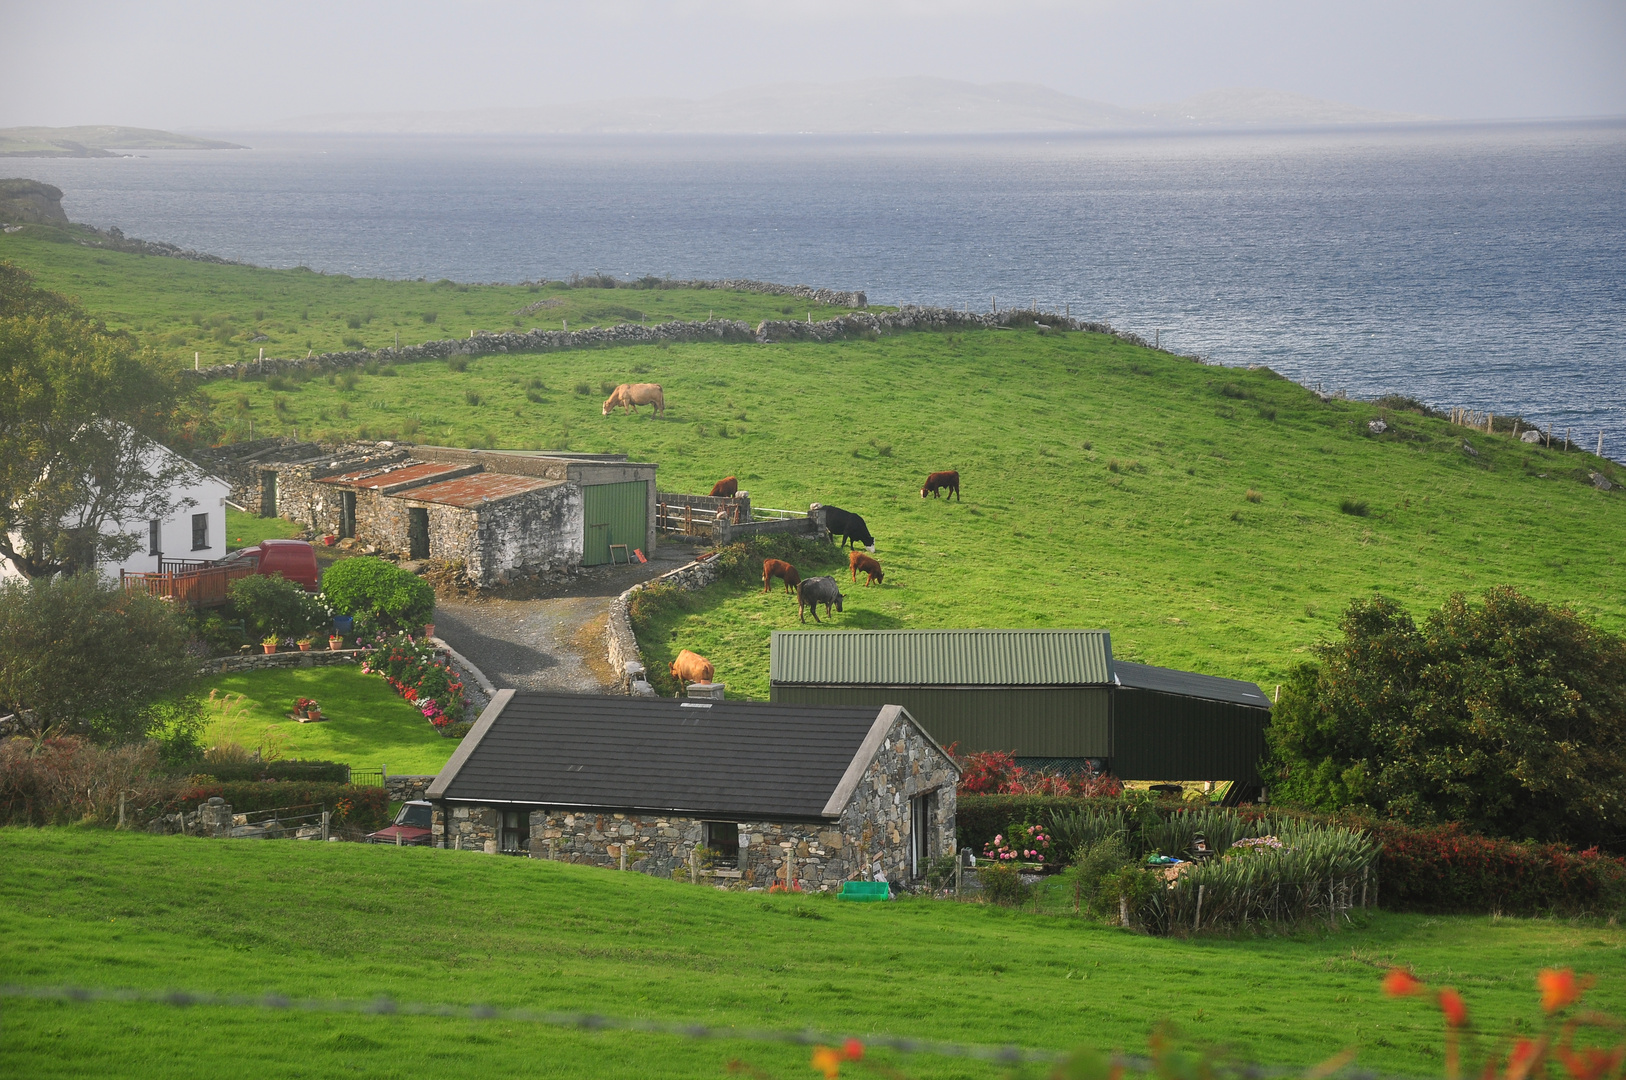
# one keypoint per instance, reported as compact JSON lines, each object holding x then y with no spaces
{"x":421,"y":675}
{"x":303,"y":705}
{"x":1445,"y":868}
{"x":1023,"y":843}
{"x":995,"y":772}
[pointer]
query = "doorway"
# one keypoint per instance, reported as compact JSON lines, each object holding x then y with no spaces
{"x":268,"y":494}
{"x":347,"y":515}
{"x":418,"y":532}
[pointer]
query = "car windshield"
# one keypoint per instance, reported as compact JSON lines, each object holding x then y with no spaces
{"x":414,"y":815}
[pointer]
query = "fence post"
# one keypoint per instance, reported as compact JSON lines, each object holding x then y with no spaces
{"x":694,"y":866}
{"x":122,"y":794}
{"x":1364,"y":871}
{"x":1197,"y":923}
{"x":623,"y":857}
{"x":326,"y":824}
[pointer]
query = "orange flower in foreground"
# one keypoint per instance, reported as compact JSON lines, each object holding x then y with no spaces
{"x":1560,"y":988}
{"x":1520,"y":1060}
{"x":852,"y":1050}
{"x":1456,"y":1013}
{"x":1399,"y":983}
{"x":1591,"y":1063}
{"x":827,"y":1061}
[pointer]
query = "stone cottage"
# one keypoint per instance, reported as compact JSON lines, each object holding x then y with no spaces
{"x":501,"y":513}
{"x":747,"y":792}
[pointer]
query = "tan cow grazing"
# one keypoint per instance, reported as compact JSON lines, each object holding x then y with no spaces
{"x":859,"y":561}
{"x":692,"y":667}
{"x":632,"y":395}
{"x":776,"y":568}
{"x":726,"y":488}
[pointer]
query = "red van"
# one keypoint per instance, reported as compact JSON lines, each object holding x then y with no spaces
{"x":293,"y":559}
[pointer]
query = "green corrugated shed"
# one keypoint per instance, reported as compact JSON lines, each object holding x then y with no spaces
{"x":1052,"y":694}
{"x":942,"y":658}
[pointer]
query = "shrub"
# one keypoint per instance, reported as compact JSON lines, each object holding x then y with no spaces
{"x":353,"y":322}
{"x":457,"y":363}
{"x":421,"y":675}
{"x":430,"y":316}
{"x":1354,"y":508}
{"x":271,"y":606}
{"x":247,"y":768}
{"x":380,"y":593}
{"x":1445,"y":869}
{"x":584,"y":389}
{"x":64,"y":779}
{"x":1002,"y":883}
{"x":1507,"y":716}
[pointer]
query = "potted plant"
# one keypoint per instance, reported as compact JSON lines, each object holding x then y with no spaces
{"x":304,"y":644}
{"x":269,"y":644}
{"x":307,"y":709}
{"x":335,"y":642}
{"x":428,"y":630}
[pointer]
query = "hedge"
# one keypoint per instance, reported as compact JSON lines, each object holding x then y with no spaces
{"x":369,"y":807}
{"x":1441,"y":869}
{"x":332,"y":772}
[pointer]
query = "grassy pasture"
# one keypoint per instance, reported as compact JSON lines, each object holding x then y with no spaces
{"x":1211,"y":518}
{"x":369,"y":724}
{"x":180,"y":307}
{"x":88,"y":907}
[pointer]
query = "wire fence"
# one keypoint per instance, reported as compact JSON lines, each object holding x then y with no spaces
{"x":385,"y":1006}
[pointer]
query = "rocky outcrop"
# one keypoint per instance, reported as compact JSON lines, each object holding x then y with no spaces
{"x":29,"y":202}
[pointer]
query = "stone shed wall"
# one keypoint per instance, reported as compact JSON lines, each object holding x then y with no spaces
{"x":537,"y":531}
{"x":872,"y":835}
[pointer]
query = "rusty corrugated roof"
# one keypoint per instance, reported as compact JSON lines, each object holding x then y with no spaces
{"x":471,"y":491}
{"x":391,"y":475}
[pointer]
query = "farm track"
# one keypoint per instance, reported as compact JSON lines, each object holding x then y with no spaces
{"x":551,"y":643}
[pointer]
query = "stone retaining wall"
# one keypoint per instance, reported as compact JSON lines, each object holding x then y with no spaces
{"x":406,"y":788}
{"x":223,"y":665}
{"x":620,"y":645}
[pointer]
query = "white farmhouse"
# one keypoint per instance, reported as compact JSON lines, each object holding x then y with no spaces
{"x":195,"y":531}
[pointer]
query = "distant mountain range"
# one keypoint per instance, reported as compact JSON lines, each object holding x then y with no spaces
{"x":97,"y":141}
{"x":881,"y":106}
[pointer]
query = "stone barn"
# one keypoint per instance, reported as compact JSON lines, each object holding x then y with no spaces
{"x":731,"y":791}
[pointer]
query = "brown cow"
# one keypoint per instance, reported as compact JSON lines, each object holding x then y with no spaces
{"x":632,"y":395}
{"x":859,"y":561}
{"x":948,"y":481}
{"x":692,"y":667}
{"x":775,"y":568}
{"x":726,"y":488}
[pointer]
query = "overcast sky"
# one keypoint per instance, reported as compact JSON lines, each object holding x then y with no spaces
{"x":224,"y":66}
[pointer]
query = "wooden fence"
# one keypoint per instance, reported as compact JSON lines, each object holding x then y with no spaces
{"x":203,"y":586}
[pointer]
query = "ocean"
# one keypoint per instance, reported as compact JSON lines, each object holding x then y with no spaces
{"x":1481,"y":265}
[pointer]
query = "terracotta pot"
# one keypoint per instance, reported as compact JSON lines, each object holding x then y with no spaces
{"x":313,"y":714}
{"x":269,"y":649}
{"x":428,"y":630}
{"x":335,"y":643}
{"x":304,"y":646}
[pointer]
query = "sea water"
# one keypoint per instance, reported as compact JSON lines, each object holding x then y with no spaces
{"x":1479,"y":266}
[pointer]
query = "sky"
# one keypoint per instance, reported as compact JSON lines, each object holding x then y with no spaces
{"x":222,"y":66}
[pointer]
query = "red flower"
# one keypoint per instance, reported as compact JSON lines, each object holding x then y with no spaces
{"x":852,"y":1050}
{"x":1456,"y":1013}
{"x":1400,"y":983}
{"x":1560,"y":988}
{"x":1590,"y":1063}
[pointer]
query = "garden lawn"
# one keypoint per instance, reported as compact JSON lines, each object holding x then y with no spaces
{"x":245,"y":530}
{"x":370,"y":726}
{"x":100,"y":909}
{"x":1213,"y":519}
{"x":221,"y":313}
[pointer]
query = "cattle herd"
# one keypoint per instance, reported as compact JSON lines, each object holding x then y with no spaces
{"x":845,"y":527}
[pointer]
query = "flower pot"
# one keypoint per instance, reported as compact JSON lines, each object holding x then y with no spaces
{"x":313,"y":714}
{"x":335,"y":643}
{"x":428,"y":630}
{"x":304,"y":646}
{"x":269,"y":649}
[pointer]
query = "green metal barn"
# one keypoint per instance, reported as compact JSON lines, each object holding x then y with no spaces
{"x":1053,"y":697}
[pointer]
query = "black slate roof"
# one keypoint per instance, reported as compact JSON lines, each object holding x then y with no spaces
{"x":728,"y":759}
{"x":1188,"y":684}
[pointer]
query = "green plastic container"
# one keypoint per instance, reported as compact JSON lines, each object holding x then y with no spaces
{"x":864,"y":891}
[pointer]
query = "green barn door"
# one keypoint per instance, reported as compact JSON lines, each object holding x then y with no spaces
{"x":614,"y":514}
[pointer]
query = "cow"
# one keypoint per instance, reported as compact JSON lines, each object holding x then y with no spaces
{"x":775,"y":568}
{"x":848,"y":526}
{"x":947,"y":481}
{"x":692,"y":667}
{"x":815,"y":591}
{"x":726,"y":488}
{"x":859,"y":561}
{"x":632,"y":395}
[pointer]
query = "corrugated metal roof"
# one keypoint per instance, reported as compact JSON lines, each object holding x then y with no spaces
{"x":472,"y":491}
{"x":391,"y":475}
{"x":941,"y":657}
{"x":744,"y":760}
{"x":1189,"y":684}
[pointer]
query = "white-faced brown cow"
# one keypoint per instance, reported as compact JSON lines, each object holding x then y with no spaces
{"x":632,"y":395}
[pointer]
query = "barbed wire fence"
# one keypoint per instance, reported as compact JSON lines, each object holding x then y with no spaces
{"x":385,"y":1006}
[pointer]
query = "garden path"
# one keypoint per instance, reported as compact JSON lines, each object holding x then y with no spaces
{"x":553,"y":639}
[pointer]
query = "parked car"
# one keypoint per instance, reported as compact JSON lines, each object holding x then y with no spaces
{"x":293,"y":559}
{"x":411,"y":828}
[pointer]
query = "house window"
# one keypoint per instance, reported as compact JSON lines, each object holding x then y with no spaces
{"x":200,"y":531}
{"x":155,"y":537}
{"x":723,"y":841}
{"x":515,"y":835}
{"x":921,"y":808}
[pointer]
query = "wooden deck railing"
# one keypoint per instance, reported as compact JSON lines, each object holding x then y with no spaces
{"x":204,"y":586}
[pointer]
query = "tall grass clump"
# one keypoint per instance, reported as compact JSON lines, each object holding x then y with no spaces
{"x":1354,"y":508}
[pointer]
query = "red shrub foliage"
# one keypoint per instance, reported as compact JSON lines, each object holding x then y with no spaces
{"x":60,"y":780}
{"x":1445,"y":868}
{"x":995,"y":772}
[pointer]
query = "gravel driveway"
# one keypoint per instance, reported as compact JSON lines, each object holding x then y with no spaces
{"x":554,"y":643}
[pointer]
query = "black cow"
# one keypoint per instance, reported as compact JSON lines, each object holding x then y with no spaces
{"x":815,"y":591}
{"x":848,"y":526}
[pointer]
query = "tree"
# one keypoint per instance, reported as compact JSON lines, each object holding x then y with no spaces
{"x":1507,"y":715}
{"x":270,"y":605}
{"x":80,"y":409}
{"x":81,"y":656}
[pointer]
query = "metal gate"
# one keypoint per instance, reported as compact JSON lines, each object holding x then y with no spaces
{"x":614,"y":514}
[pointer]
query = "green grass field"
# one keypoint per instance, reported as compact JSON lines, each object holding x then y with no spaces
{"x":246,"y":530}
{"x":219,"y":312}
{"x":369,"y":725}
{"x":1196,"y":512}
{"x":92,"y":908}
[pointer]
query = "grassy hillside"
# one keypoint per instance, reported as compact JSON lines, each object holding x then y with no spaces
{"x":1198,"y":513}
{"x":367,"y":723}
{"x":222,"y":312}
{"x":345,"y":921}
